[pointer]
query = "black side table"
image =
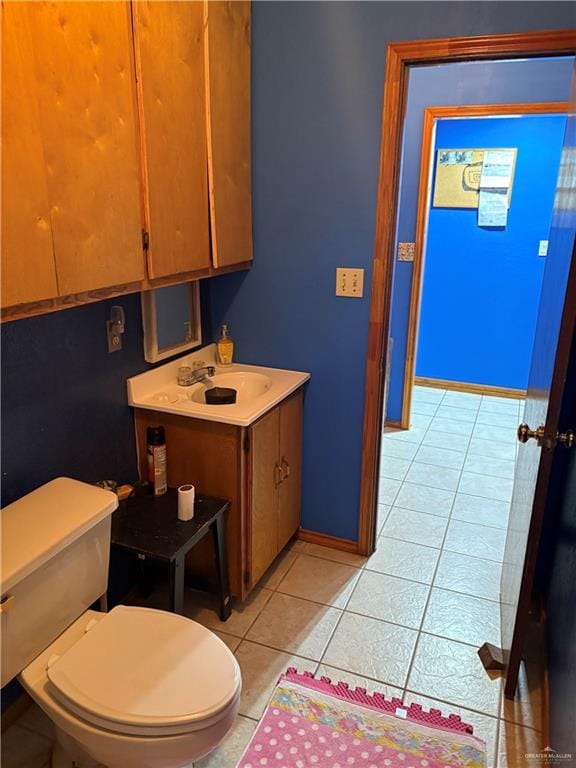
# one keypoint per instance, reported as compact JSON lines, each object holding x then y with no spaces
{"x":150,"y":527}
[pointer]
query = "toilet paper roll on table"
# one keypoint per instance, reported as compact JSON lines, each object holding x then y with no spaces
{"x":186,"y":502}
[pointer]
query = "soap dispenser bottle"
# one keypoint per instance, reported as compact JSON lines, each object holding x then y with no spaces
{"x":225,"y":347}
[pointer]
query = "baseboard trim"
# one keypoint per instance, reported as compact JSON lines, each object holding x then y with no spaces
{"x":475,"y":389}
{"x":394,"y":423}
{"x":324,"y":540}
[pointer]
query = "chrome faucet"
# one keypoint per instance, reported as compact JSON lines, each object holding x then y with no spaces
{"x":188,"y":375}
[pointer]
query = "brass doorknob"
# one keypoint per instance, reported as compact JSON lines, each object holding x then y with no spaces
{"x":525,"y":433}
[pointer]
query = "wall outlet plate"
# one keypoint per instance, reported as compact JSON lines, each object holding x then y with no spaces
{"x":406,"y":251}
{"x":349,"y":282}
{"x":543,"y":248}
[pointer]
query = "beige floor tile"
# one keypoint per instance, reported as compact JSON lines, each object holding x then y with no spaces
{"x":398,"y":448}
{"x":440,"y":457}
{"x":475,"y":540}
{"x":294,"y":625}
{"x":485,"y":727}
{"x":488,"y":465}
{"x":296,"y":545}
{"x":462,"y":617}
{"x":404,"y":559}
{"x":515,"y":744}
{"x":261,"y":667}
{"x":357,"y":681}
{"x":462,"y":400}
{"x":500,"y":404}
{"x":420,"y":421}
{"x":497,"y":434}
{"x":476,"y":509}
{"x":451,"y":426}
{"x":526,"y":707}
{"x":424,"y":408}
{"x":483,"y":485}
{"x":387,"y":490}
{"x":458,"y":414}
{"x":35,"y":720}
{"x":338,"y":555}
{"x":434,"y":501}
{"x":470,"y":575}
{"x":231,"y":641}
{"x":233,"y":746}
{"x":453,"y":672}
{"x":438,"y":439}
{"x":506,"y":420}
{"x":428,"y":394}
{"x":383,"y":510}
{"x":388,"y":598}
{"x":371,"y":648}
{"x":481,"y":447}
{"x":416,"y":527}
{"x":279,"y":568}
{"x":433,"y":477}
{"x":322,"y":581}
{"x":22,"y":748}
{"x":413,"y":435}
{"x":393,"y":467}
{"x":200,"y":607}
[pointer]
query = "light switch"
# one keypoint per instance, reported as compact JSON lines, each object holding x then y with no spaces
{"x":349,"y":282}
{"x":406,"y":251}
{"x":543,"y":248}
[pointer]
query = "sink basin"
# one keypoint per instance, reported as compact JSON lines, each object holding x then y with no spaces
{"x":258,"y":389}
{"x":248,"y":386}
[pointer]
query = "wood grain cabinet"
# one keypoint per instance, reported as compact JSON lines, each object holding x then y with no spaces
{"x":258,"y":467}
{"x":125,"y":148}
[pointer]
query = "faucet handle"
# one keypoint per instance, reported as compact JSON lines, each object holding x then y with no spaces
{"x":196,"y":364}
{"x":184,"y":375}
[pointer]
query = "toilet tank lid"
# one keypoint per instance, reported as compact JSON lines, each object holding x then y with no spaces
{"x":44,"y":522}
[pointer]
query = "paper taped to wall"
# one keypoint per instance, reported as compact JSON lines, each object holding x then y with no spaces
{"x":493,"y":208}
{"x":497,"y":167}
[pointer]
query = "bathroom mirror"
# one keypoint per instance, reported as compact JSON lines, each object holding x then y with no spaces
{"x":171,"y":320}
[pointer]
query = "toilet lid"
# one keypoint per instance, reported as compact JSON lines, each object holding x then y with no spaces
{"x":145,"y":671}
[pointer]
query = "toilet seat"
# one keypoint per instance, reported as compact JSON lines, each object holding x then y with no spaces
{"x":146,"y":672}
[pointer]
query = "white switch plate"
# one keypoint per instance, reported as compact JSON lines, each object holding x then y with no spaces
{"x":543,"y":248}
{"x":349,"y":282}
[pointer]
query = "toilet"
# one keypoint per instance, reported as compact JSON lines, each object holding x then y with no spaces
{"x":132,"y":688}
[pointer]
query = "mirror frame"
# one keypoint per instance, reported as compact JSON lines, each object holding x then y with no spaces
{"x":150,"y":325}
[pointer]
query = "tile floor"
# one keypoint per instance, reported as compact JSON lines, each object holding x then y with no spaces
{"x":406,"y":621}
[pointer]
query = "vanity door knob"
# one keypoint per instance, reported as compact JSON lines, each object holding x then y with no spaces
{"x":286,"y":467}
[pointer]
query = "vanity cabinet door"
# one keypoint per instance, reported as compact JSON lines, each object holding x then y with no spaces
{"x":169,"y":42}
{"x":85,"y":89}
{"x":290,"y":489}
{"x":263,"y":482}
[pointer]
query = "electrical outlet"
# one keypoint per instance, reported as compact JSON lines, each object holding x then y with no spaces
{"x":543,"y":248}
{"x":349,"y":282}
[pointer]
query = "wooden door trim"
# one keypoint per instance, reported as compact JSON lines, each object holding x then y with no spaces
{"x":399,"y":58}
{"x":431,"y":115}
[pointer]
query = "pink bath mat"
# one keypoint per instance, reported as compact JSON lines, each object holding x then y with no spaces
{"x":312,"y":723}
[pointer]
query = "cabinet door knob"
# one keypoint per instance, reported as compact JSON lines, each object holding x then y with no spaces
{"x":286,"y":467}
{"x":278,"y":472}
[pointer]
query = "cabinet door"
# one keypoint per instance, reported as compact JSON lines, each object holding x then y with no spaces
{"x":290,"y":488}
{"x":263,"y":494}
{"x":170,"y":60}
{"x":85,"y":86}
{"x":28,"y":267}
{"x":227,"y":24}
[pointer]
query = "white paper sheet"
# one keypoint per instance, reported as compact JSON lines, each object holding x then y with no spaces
{"x":493,"y":208}
{"x":497,"y":169}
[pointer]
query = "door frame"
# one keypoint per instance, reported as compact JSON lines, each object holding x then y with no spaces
{"x":431,"y":115}
{"x":400,"y":56}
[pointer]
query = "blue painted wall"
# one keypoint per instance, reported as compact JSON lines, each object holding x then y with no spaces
{"x":64,"y":403}
{"x":317,"y":84}
{"x":481,"y":287}
{"x":465,"y":83}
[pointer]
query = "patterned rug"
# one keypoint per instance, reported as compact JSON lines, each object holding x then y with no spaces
{"x":312,"y":723}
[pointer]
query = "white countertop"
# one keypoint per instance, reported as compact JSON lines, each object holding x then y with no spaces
{"x":158,"y":390}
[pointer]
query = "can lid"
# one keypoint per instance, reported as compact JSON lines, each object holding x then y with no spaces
{"x":155,"y":436}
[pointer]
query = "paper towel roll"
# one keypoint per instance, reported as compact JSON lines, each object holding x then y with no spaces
{"x":186,"y":502}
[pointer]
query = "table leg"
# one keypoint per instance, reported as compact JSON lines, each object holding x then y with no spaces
{"x":177,"y":585}
{"x":219,"y":536}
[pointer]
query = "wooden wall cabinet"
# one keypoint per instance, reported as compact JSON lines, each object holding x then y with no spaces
{"x":118,"y":120}
{"x":258,"y":468}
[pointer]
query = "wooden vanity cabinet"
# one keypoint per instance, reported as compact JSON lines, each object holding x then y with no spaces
{"x":126,"y":148}
{"x":258,"y":468}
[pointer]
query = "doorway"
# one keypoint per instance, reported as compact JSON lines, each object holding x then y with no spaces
{"x":400,"y":58}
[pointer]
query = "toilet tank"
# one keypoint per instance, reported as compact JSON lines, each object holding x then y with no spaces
{"x":55,"y":552}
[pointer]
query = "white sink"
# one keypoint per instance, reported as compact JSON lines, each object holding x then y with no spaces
{"x":248,"y":386}
{"x":258,"y":389}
